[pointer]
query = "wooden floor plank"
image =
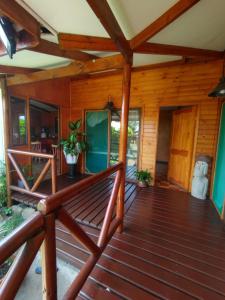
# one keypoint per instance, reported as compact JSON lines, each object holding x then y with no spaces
{"x":172,"y":247}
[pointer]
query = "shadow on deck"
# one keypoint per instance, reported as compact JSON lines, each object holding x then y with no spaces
{"x":173,"y":247}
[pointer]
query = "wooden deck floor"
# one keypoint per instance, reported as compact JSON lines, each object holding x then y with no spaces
{"x":173,"y":247}
{"x":88,"y":207}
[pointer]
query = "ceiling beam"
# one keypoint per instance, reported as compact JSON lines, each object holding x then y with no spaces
{"x":75,"y":41}
{"x":164,"y":20}
{"x":69,"y":41}
{"x":103,"y":11}
{"x":164,"y":49}
{"x":16,"y":70}
{"x":74,"y":69}
{"x":50,"y":48}
{"x":19,"y":15}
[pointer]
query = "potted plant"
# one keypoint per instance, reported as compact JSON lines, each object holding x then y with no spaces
{"x":144,"y":178}
{"x":73,"y":146}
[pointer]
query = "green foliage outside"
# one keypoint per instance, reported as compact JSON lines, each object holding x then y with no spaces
{"x":3,"y":186}
{"x":10,"y":224}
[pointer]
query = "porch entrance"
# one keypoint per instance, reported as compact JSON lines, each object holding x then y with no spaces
{"x":175,"y":147}
{"x":44,"y":133}
{"x":103,"y":134}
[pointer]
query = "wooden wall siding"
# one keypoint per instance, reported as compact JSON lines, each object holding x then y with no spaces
{"x":178,"y":85}
{"x":56,"y":91}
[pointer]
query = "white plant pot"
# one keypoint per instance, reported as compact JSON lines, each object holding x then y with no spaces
{"x":71,"y":159}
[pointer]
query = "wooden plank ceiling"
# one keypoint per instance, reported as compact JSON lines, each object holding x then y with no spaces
{"x":83,"y":31}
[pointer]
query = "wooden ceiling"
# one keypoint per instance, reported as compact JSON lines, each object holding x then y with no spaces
{"x":108,"y":19}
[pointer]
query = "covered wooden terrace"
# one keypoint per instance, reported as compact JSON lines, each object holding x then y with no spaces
{"x":126,"y":242}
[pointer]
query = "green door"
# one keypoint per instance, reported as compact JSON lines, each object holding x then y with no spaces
{"x":97,"y":130}
{"x":219,"y":180}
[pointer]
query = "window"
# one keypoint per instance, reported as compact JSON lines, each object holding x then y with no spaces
{"x":18,"y":134}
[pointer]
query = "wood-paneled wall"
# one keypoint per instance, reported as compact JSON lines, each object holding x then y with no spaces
{"x":56,"y":91}
{"x":178,"y":85}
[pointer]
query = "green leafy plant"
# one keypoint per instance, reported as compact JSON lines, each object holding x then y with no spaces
{"x":10,"y":224}
{"x":75,"y":143}
{"x":3,"y":186}
{"x":144,"y":176}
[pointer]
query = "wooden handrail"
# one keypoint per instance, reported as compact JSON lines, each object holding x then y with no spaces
{"x":30,"y":153}
{"x":18,"y":237}
{"x":53,"y":202}
{"x":41,"y":229}
{"x":32,"y":233}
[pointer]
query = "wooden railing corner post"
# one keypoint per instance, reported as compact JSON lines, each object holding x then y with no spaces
{"x":48,"y":258}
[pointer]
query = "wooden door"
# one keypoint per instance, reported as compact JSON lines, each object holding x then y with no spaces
{"x":181,"y":148}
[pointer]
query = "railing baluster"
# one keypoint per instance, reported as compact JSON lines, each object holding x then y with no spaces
{"x":54,"y":173}
{"x":19,"y":172}
{"x":77,"y":231}
{"x":109,"y":210}
{"x":41,"y":176}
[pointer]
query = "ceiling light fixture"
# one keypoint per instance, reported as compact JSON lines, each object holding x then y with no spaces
{"x":219,"y":90}
{"x":8,"y":36}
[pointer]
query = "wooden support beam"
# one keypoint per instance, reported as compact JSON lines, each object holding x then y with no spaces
{"x":103,"y":11}
{"x":16,"y":70}
{"x":164,"y":49}
{"x":74,"y":69}
{"x":20,"y":16}
{"x":50,"y":48}
{"x":123,"y":140}
{"x":164,"y":20}
{"x":6,"y":133}
{"x":85,"y":42}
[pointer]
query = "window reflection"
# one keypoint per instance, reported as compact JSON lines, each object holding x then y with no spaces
{"x":18,"y":132}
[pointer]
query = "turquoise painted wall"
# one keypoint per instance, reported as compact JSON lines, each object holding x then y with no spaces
{"x":219,"y":180}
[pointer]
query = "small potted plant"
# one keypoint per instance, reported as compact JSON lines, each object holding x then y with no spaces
{"x":143,"y":177}
{"x":73,"y":146}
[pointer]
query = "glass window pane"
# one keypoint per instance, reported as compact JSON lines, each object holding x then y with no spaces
{"x":18,"y":134}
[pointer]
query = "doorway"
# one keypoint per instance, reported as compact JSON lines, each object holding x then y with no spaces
{"x":44,"y":133}
{"x":176,"y":133}
{"x":103,"y":134}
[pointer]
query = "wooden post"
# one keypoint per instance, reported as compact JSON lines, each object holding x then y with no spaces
{"x":5,"y":103}
{"x":54,"y":172}
{"x":48,"y":258}
{"x":123,"y":138}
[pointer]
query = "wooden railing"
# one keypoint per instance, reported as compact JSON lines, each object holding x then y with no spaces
{"x":42,"y":227}
{"x":32,"y":234}
{"x":50,"y":163}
